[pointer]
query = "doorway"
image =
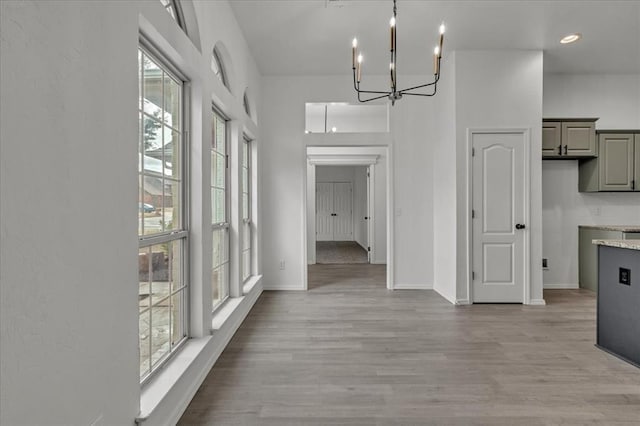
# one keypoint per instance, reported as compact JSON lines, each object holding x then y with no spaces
{"x":365,"y":225}
{"x":500,"y":206}
{"x":342,"y":214}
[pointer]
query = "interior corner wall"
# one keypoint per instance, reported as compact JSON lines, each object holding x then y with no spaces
{"x":499,"y":90}
{"x":444,"y":184}
{"x":615,"y":100}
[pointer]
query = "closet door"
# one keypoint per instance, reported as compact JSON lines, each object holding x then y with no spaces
{"x":342,"y":209}
{"x":324,"y":211}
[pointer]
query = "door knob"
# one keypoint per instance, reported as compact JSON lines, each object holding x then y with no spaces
{"x":520,"y":226}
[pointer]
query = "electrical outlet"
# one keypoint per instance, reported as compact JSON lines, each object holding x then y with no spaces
{"x":282,"y":265}
{"x":624,"y":276}
{"x":545,"y":263}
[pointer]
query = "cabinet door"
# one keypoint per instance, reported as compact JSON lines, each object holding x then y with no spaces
{"x":616,"y":161}
{"x":579,"y":139}
{"x":551,"y":134}
{"x":636,"y":177}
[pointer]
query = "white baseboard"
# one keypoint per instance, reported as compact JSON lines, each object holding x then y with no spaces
{"x":537,"y":302}
{"x":422,"y":286}
{"x":558,"y":286}
{"x":280,"y":287}
{"x":463,"y":302}
{"x":450,"y":300}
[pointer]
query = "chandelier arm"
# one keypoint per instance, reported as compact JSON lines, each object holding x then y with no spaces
{"x":420,"y":94}
{"x":433,"y":83}
{"x":371,"y":99}
{"x":373,"y":92}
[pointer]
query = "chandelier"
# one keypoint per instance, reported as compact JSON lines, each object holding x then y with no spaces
{"x":394,"y":94}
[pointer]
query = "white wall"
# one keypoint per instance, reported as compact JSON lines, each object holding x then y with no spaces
{"x":493,"y":90}
{"x":69,"y":305}
{"x":615,"y":99}
{"x":444,"y":185}
{"x":284,"y":170}
{"x":501,"y":89}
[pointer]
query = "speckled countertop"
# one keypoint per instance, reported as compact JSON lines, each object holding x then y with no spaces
{"x":627,"y":244}
{"x":621,"y":228}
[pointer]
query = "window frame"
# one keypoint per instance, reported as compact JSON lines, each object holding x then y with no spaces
{"x":168,"y":236}
{"x":247,"y":221}
{"x":222,"y":71}
{"x":216,"y":113}
{"x":177,"y":10}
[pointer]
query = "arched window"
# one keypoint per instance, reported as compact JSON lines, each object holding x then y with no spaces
{"x":245,"y":103}
{"x":218,"y":68}
{"x":174,"y":10}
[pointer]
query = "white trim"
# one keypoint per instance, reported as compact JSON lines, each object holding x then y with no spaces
{"x":463,"y":302}
{"x":407,"y":286}
{"x":526,"y":140}
{"x":342,"y":160}
{"x":559,"y":286}
{"x":537,"y":302}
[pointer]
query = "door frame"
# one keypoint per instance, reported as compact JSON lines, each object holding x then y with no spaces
{"x":526,"y":141}
{"x":347,"y":156}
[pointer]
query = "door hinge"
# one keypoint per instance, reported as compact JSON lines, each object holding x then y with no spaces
{"x":368,"y":248}
{"x":473,"y":152}
{"x":473,"y":214}
{"x":473,"y":276}
{"x":226,"y":161}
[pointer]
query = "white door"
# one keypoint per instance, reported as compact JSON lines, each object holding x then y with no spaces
{"x":343,"y":213}
{"x":324,"y":211}
{"x":498,"y":223}
{"x":367,"y":218}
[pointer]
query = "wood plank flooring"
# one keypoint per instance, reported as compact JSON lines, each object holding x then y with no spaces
{"x":350,"y":352}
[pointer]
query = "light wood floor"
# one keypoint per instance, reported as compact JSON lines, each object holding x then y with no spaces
{"x":349,"y":352}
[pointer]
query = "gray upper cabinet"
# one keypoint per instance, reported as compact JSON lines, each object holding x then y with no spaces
{"x":617,"y":167}
{"x":569,"y":138}
{"x":551,"y":137}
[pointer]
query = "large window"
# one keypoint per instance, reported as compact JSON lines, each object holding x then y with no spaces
{"x":246,"y":209}
{"x":162,"y":229}
{"x":219,"y":210}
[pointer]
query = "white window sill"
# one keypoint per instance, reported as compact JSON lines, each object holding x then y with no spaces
{"x":251,"y":282}
{"x":161,"y":392}
{"x":154,"y":392}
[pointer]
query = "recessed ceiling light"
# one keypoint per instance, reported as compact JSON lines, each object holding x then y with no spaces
{"x":571,"y":38}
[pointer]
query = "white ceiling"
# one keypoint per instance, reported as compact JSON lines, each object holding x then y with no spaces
{"x":313,"y":37}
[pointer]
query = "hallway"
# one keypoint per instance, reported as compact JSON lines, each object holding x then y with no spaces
{"x":349,"y":351}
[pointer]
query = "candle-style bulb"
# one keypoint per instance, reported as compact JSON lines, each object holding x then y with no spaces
{"x":392,"y":22}
{"x":442,"y":28}
{"x":360,"y":58}
{"x":436,"y":51}
{"x":355,"y":43}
